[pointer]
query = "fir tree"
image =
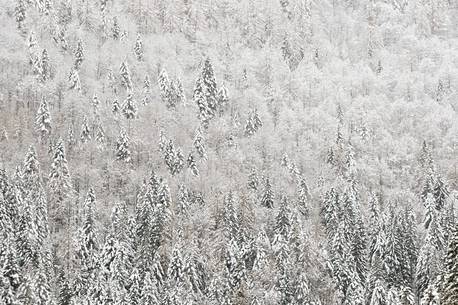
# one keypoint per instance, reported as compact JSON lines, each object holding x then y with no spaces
{"x":43,"y":120}
{"x":449,"y":294}
{"x":204,"y":111}
{"x":59,"y":183}
{"x":100,"y":136}
{"x":74,"y":80}
{"x":85,"y":131}
{"x":115,"y":30}
{"x":378,"y":295}
{"x":253,"y":181}
{"x":138,"y":48}
{"x":116,"y":108}
{"x":303,"y":197}
{"x":199,"y":144}
{"x":267,"y":199}
{"x":192,"y":165}
{"x":126,"y":81}
{"x":223,"y":100}
{"x":209,"y":85}
{"x":20,"y":15}
{"x":122,"y":147}
{"x":129,"y":108}
{"x":79,"y":55}
{"x":45,"y":66}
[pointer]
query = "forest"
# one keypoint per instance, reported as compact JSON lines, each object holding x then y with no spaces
{"x":228,"y":152}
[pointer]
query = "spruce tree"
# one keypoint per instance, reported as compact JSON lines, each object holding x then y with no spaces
{"x":43,"y":120}
{"x":199,"y":144}
{"x":204,"y":111}
{"x":253,"y":181}
{"x":138,"y":48}
{"x":449,"y":294}
{"x":129,"y":108}
{"x":267,"y":199}
{"x":79,"y":55}
{"x":115,"y":30}
{"x":45,"y":66}
{"x":303,"y":197}
{"x":20,"y":15}
{"x":192,"y":165}
{"x":116,"y":108}
{"x":74,"y":80}
{"x":59,"y":184}
{"x":122,"y":147}
{"x":126,"y":81}
{"x":209,"y":85}
{"x":85,"y":135}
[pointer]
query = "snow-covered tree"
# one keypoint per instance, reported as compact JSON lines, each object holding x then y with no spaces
{"x":43,"y":120}
{"x":122,"y":152}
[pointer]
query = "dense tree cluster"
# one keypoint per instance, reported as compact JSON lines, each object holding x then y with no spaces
{"x":228,"y":152}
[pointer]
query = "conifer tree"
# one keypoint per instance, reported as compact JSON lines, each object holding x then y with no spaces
{"x":146,"y":90}
{"x":43,"y":120}
{"x":223,"y":100}
{"x":20,"y":15}
{"x":164,"y":85}
{"x":74,"y":80}
{"x":116,"y":108}
{"x":204,"y":111}
{"x":253,"y":181}
{"x":449,"y":294}
{"x":79,"y":55}
{"x":59,"y":184}
{"x":100,"y":136}
{"x":129,"y":108}
{"x":126,"y":81}
{"x":303,"y":197}
{"x":85,"y":131}
{"x":115,"y":30}
{"x":122,"y":147}
{"x":138,"y":48}
{"x":192,"y":165}
{"x":199,"y":144}
{"x":209,"y":85}
{"x":87,"y":245}
{"x":267,"y":199}
{"x":45,"y":66}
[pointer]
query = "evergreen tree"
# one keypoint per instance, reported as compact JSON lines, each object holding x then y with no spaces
{"x":138,"y":48}
{"x":209,"y":85}
{"x":116,"y":108}
{"x":199,"y":144}
{"x":253,"y":181}
{"x":223,"y":99}
{"x":59,"y":184}
{"x":100,"y":136}
{"x":303,"y":197}
{"x":164,"y":85}
{"x":378,"y":296}
{"x":115,"y":30}
{"x":122,"y":147}
{"x":267,"y":199}
{"x":253,"y":123}
{"x":449,"y":294}
{"x":85,"y":131}
{"x":87,"y":245}
{"x":79,"y":55}
{"x":204,"y":111}
{"x":45,"y":66}
{"x":20,"y":15}
{"x":129,"y":108}
{"x":192,"y":165}
{"x":43,"y":120}
{"x":74,"y":80}
{"x":282,"y":227}
{"x":126,"y":81}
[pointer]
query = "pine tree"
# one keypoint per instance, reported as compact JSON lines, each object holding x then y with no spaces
{"x":174,"y":158}
{"x":129,"y":108}
{"x":43,"y":120}
{"x":100,"y":136}
{"x":122,"y":147}
{"x":378,"y":296}
{"x":126,"y":81}
{"x":164,"y":85}
{"x":267,"y":199}
{"x":138,"y":48}
{"x":85,"y":131}
{"x":146,"y":90}
{"x":253,"y":123}
{"x":449,"y":294}
{"x":223,"y":100}
{"x":79,"y":55}
{"x":282,"y":227}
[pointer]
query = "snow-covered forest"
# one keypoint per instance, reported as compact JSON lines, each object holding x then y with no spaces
{"x":228,"y":152}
